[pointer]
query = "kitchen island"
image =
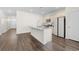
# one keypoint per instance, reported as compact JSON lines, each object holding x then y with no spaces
{"x":42,"y":34}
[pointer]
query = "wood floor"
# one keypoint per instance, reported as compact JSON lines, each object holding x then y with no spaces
{"x":9,"y":41}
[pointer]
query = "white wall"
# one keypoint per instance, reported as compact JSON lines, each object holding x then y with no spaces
{"x":25,"y":19}
{"x":4,"y":25}
{"x":72,"y":23}
{"x":3,"y":22}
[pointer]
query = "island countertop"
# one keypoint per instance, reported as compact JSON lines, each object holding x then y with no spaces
{"x":40,"y":27}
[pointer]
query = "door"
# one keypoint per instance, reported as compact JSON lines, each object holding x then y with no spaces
{"x":61,"y":27}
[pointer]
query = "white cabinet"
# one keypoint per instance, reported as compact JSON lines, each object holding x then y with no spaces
{"x":43,"y":35}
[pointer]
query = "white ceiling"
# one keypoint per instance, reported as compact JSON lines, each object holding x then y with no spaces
{"x":11,"y":11}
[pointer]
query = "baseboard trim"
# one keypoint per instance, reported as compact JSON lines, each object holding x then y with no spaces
{"x":65,"y":38}
{"x":5,"y":32}
{"x":61,"y":37}
{"x":23,"y":33}
{"x":72,"y":43}
{"x":73,"y":40}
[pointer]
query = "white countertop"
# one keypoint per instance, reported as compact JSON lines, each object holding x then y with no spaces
{"x":39,"y":28}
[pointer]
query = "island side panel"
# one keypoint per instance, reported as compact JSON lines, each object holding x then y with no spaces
{"x":47,"y":35}
{"x":38,"y":34}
